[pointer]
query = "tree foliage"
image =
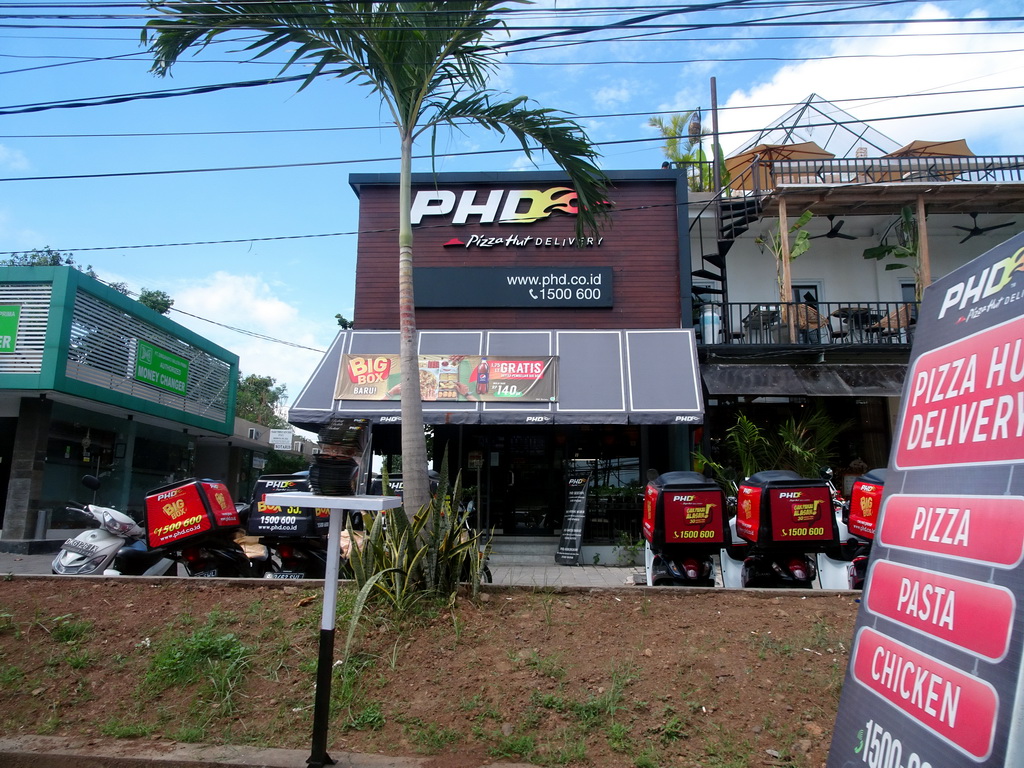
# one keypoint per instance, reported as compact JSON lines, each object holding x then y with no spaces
{"x":158,"y":301}
{"x":258,"y":400}
{"x":46,"y":257}
{"x":429,"y":63}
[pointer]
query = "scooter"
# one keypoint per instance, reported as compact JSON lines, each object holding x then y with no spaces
{"x":783,"y":522}
{"x":116,"y":548}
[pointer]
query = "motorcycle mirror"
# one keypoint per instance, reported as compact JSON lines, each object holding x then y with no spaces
{"x":825,"y":473}
{"x":91,"y":482}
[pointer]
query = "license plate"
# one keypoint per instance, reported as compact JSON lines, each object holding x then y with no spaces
{"x":284,"y":575}
{"x":80,"y":547}
{"x":208,"y":574}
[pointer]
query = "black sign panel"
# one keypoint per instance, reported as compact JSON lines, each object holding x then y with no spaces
{"x":541,"y":287}
{"x":934,"y":679}
{"x":570,"y":544}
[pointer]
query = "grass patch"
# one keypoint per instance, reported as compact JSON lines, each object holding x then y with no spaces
{"x":429,"y":738}
{"x":67,"y":630}
{"x":118,"y":729}
{"x":216,"y":661}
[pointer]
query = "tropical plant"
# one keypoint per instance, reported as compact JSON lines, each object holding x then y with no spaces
{"x":802,"y":445}
{"x":684,"y":148}
{"x":429,"y":63}
{"x":771,"y":241}
{"x":427,"y":556}
{"x":906,"y":246}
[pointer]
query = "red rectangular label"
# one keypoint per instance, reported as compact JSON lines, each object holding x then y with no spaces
{"x":964,"y":403}
{"x":693,"y":517}
{"x":957,"y":707}
{"x":176,"y":514}
{"x":748,"y":512}
{"x":865,"y":504}
{"x":650,"y":511}
{"x":986,"y":529}
{"x":970,"y":615}
{"x":801,"y":514}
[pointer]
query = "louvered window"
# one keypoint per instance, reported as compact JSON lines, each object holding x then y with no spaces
{"x":33,"y":301}
{"x":103,"y":344}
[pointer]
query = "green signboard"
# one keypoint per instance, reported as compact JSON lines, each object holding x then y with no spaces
{"x":160,"y":368}
{"x":9,"y":316}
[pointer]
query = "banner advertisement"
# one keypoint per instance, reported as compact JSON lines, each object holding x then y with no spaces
{"x":10,"y":314}
{"x":160,"y":368}
{"x":570,"y":544}
{"x":452,"y":378}
{"x":935,"y":675}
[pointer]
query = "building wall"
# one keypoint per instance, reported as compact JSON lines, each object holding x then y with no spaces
{"x":640,"y":245}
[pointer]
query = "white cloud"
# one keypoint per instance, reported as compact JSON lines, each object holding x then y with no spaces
{"x":614,"y":94}
{"x":250,"y":303}
{"x":897,"y":67}
{"x":13,"y":159}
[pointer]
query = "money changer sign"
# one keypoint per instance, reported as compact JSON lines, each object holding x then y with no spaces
{"x":160,"y":368}
{"x":9,"y":316}
{"x":935,"y":674}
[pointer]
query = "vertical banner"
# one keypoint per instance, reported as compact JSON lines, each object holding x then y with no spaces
{"x":570,"y":544}
{"x":935,"y":675}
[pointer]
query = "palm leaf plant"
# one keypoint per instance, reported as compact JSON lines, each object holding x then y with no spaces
{"x":429,"y":63}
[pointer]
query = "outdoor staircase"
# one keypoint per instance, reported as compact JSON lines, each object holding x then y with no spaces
{"x":735,"y":214}
{"x":523,"y":550}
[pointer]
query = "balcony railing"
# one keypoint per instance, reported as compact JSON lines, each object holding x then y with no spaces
{"x":806,"y":324}
{"x":898,"y":169}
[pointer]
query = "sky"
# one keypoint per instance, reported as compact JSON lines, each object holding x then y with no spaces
{"x":260,"y":260}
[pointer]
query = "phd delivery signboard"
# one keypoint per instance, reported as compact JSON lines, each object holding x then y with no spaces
{"x":935,"y":676}
{"x":160,"y":368}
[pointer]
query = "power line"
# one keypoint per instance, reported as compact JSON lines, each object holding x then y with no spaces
{"x":602,"y":116}
{"x":478,"y":153}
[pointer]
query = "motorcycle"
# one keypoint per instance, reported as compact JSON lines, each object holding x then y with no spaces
{"x":857,"y":518}
{"x":783,"y":523}
{"x":116,"y":548}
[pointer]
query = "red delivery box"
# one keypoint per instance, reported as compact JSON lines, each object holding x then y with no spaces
{"x":865,"y":504}
{"x":779,"y":507}
{"x":186,"y":509}
{"x":684,"y":508}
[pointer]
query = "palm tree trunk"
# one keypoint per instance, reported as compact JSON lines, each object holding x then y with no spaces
{"x":416,"y":491}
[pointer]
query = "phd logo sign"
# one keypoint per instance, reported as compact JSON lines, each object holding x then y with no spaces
{"x":935,"y":675}
{"x":512,"y":206}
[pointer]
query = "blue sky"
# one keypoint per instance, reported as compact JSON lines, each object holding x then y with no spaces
{"x":290,"y":289}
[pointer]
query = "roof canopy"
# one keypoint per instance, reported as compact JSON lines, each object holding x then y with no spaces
{"x":604,"y":377}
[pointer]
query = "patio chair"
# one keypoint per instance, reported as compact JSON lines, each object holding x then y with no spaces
{"x":808,"y":322}
{"x":896,"y":327}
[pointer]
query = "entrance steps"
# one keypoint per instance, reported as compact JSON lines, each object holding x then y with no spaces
{"x":523,"y":550}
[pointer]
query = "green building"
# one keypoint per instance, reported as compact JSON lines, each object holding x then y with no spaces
{"x":92,"y":382}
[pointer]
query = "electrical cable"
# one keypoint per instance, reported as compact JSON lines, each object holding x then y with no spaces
{"x":477,"y":153}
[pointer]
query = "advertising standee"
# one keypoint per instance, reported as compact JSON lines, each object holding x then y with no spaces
{"x":935,"y":677}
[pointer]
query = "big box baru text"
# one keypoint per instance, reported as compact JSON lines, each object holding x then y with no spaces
{"x":181,"y":511}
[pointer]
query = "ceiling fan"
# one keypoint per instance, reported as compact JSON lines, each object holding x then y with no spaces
{"x":833,"y":231}
{"x":976,"y":230}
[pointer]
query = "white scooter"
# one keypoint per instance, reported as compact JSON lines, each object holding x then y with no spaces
{"x":117,"y":547}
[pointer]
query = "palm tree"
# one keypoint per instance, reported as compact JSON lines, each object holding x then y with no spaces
{"x":683,"y":138}
{"x":429,"y":62}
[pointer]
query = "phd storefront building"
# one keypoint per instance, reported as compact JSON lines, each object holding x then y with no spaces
{"x":584,"y":355}
{"x":92,"y":382}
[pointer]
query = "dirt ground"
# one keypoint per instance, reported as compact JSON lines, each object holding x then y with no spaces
{"x":602,"y":678}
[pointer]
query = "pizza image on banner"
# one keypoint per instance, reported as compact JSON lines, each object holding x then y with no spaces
{"x":451,"y":378}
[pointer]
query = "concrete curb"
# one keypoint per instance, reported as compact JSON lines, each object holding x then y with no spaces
{"x":55,"y":751}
